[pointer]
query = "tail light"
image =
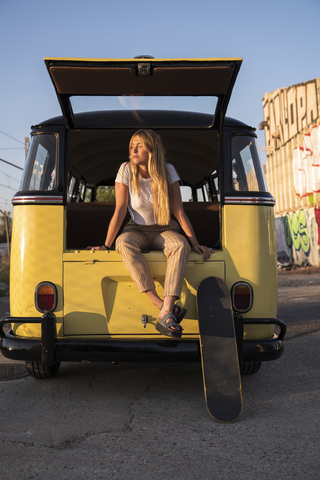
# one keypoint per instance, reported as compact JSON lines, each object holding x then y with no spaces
{"x":45,"y":297}
{"x":242,"y":297}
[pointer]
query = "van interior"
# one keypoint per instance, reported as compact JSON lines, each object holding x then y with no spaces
{"x":94,"y":159}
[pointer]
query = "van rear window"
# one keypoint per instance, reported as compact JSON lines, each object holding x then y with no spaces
{"x":40,"y":170}
{"x":247,"y":171}
{"x":177,"y":111}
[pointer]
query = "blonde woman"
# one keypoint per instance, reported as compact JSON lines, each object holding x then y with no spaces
{"x":147,"y":186}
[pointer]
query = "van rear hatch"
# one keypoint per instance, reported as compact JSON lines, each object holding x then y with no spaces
{"x":142,"y":85}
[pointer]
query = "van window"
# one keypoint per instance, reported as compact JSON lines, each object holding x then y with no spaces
{"x":40,"y":170}
{"x":71,"y":188}
{"x":202,"y":194}
{"x":105,"y":194}
{"x":186,"y":193}
{"x":247,"y":173}
{"x":138,"y":107}
{"x":81,"y":193}
{"x":88,"y":195}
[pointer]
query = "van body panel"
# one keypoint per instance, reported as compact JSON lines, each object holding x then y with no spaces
{"x":37,"y":249}
{"x":249,"y":243}
{"x":101,"y":298}
{"x":167,"y":76}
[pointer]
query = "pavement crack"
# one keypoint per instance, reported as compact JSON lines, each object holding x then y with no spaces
{"x":70,"y":444}
{"x":141,"y":397}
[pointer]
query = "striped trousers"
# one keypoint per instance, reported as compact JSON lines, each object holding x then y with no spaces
{"x":154,"y":237}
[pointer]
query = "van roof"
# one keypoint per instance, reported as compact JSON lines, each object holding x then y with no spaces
{"x":195,"y":120}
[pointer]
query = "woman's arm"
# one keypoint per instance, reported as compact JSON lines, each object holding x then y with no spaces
{"x":179,"y":213}
{"x":122,"y":199}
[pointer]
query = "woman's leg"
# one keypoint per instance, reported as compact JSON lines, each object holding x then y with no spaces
{"x":129,"y":245}
{"x":176,"y":248}
{"x":166,"y":306}
{"x":154,"y":297}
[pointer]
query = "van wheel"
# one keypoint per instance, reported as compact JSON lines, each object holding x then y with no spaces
{"x":248,"y":368}
{"x":36,"y":370}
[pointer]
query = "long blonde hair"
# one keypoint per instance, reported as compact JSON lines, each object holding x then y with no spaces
{"x":157,"y":168}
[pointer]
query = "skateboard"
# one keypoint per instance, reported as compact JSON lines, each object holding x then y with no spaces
{"x":219,"y":355}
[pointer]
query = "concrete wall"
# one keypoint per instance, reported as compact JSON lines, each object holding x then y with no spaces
{"x":292,"y":131}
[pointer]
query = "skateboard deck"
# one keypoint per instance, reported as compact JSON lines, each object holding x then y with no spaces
{"x":219,"y":355}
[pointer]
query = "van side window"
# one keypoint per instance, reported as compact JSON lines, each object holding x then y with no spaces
{"x":186,"y":193}
{"x":81,"y":192}
{"x":206,"y":191}
{"x":88,"y":194}
{"x":71,"y":189}
{"x":40,"y":169}
{"x":215,"y":186}
{"x":247,"y":174}
{"x":105,"y":194}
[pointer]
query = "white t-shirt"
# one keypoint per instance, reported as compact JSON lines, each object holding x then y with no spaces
{"x":141,"y":209}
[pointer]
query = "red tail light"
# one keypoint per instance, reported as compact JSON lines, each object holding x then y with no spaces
{"x":242,"y":297}
{"x":45,"y":297}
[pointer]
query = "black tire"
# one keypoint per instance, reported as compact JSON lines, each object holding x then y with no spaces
{"x":248,"y":368}
{"x":36,"y":370}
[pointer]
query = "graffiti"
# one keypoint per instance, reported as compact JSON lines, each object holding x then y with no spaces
{"x":298,"y":236}
{"x":287,"y":230}
{"x":317,"y":216}
{"x":296,"y":232}
{"x":306,"y":164}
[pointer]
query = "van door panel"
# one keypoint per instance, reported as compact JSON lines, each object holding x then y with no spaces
{"x":100,"y":297}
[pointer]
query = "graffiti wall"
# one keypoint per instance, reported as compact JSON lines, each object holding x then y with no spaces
{"x":306,"y":164}
{"x":298,"y":237}
{"x":292,"y":130}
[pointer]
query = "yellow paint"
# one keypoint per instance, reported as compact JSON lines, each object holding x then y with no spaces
{"x":250,"y":255}
{"x":139,"y":60}
{"x":36,"y":256}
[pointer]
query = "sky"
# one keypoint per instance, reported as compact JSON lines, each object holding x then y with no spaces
{"x":277,"y":39}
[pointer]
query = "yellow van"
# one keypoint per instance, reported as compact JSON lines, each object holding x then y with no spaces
{"x":72,"y":304}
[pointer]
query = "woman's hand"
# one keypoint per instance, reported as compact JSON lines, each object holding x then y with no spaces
{"x":97,"y":248}
{"x":201,"y":249}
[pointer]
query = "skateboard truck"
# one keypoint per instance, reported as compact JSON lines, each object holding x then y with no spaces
{"x":144,"y":320}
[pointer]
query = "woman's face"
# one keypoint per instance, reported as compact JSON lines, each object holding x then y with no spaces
{"x":139,"y":156}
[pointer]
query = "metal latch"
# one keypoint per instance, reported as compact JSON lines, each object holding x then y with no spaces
{"x":144,"y":69}
{"x":144,"y":320}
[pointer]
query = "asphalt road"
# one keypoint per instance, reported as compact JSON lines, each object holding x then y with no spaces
{"x":149,"y":421}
